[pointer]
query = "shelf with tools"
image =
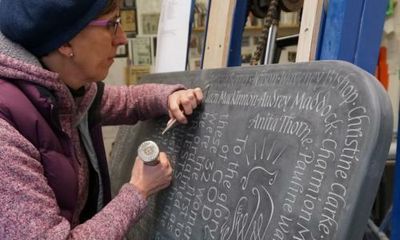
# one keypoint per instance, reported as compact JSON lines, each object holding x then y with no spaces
{"x":252,"y":34}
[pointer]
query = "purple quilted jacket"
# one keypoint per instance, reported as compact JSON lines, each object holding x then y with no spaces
{"x":31,"y":203}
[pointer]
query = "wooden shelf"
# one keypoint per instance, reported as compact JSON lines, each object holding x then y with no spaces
{"x":283,"y":30}
{"x":198,"y":29}
{"x":287,"y":30}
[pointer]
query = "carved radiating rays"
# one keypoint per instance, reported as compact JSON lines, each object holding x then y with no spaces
{"x":250,"y":220}
{"x":264,"y":153}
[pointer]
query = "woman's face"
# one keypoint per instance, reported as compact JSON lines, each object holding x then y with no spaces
{"x":95,"y":47}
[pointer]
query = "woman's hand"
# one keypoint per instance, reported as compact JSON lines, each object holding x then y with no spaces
{"x":182,"y":102}
{"x":151,"y":179}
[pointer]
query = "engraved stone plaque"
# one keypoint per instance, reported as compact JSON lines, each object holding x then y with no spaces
{"x":274,"y":152}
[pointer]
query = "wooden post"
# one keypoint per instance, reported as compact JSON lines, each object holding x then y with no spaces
{"x":309,"y":30}
{"x":218,"y":36}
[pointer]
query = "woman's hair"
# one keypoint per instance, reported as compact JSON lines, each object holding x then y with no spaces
{"x":111,"y":6}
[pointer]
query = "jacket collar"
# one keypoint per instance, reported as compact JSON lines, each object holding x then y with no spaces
{"x":17,"y":64}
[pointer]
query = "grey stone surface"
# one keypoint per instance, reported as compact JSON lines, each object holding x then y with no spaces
{"x":275,"y":152}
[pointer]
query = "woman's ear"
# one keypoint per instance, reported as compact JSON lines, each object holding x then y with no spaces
{"x":66,"y":50}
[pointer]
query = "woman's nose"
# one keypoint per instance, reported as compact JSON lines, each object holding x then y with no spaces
{"x":120,"y":37}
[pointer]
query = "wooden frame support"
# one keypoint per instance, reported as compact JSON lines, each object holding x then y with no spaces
{"x":219,"y":28}
{"x":309,"y":30}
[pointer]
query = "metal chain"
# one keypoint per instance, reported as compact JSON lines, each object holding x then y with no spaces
{"x":271,"y":19}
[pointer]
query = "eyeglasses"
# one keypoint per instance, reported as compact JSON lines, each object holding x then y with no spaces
{"x":112,"y":24}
